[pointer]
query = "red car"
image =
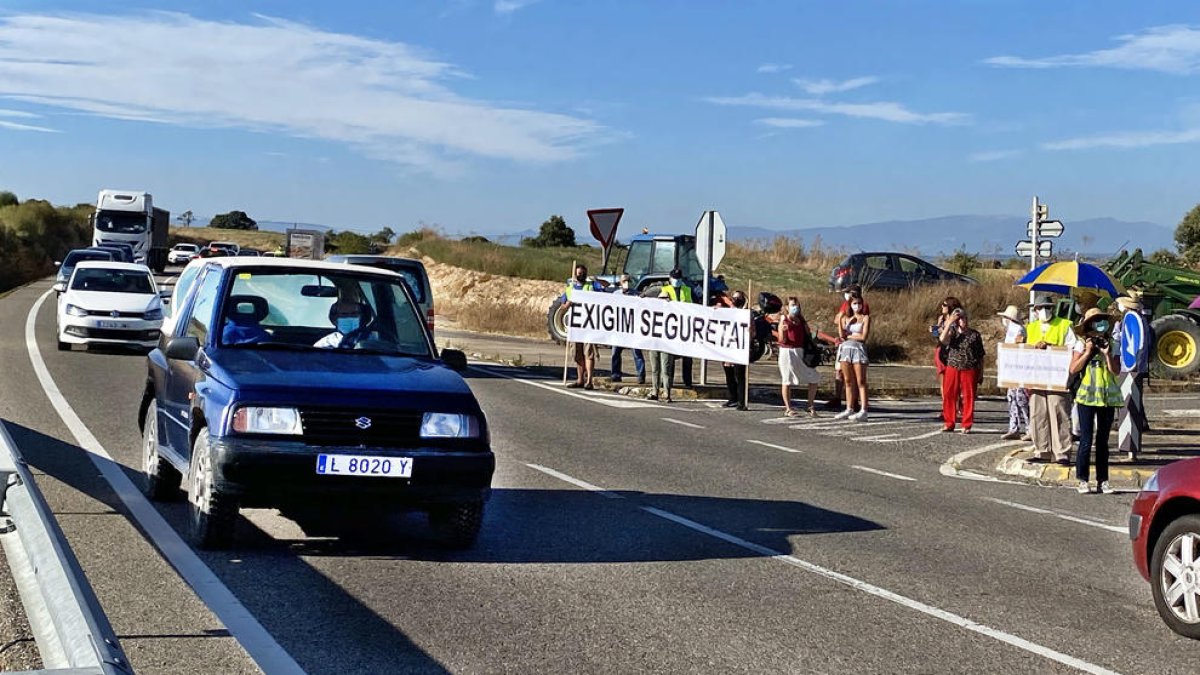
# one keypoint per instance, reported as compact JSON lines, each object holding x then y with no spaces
{"x":1165,"y":528}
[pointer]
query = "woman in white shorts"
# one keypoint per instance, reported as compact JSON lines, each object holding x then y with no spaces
{"x":794,"y":335}
{"x":854,"y":328}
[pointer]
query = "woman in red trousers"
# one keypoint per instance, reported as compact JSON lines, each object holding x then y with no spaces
{"x":964,"y":370}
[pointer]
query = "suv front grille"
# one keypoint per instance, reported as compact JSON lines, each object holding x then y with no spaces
{"x":342,"y":427}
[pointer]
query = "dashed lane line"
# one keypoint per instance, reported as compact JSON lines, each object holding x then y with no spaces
{"x":882,"y":473}
{"x":557,"y":389}
{"x":772,"y":445}
{"x":242,"y":625}
{"x":575,"y":481}
{"x":871,"y":589}
{"x":1062,"y":516}
{"x":681,"y":423}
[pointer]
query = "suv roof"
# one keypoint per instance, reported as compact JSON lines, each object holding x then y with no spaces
{"x":234,"y":262}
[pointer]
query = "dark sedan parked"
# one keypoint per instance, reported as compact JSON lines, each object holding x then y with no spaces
{"x":890,"y":271}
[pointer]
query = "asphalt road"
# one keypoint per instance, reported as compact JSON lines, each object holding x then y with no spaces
{"x":623,"y":536}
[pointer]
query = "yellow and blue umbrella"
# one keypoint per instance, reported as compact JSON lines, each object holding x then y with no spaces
{"x":1062,"y":277}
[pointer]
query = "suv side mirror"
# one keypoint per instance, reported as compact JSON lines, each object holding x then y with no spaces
{"x":184,"y":348}
{"x":454,"y":359}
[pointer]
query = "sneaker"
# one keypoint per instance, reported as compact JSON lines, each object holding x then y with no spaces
{"x":1106,"y":488}
{"x":844,"y":414}
{"x":860,"y":416}
{"x":1083,"y":488}
{"x":1011,"y":436}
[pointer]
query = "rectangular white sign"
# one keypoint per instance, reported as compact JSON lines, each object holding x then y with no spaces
{"x":1024,"y":366}
{"x":680,"y":328}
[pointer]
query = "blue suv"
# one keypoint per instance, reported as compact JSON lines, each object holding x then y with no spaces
{"x":313,"y":388}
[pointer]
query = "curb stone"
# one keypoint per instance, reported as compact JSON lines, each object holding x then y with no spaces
{"x":1055,"y":474}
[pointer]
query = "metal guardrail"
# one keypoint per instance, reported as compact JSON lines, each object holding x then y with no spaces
{"x":71,"y":630}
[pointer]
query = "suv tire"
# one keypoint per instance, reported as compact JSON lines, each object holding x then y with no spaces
{"x":212,"y":514}
{"x":456,"y":526}
{"x":162,"y":480}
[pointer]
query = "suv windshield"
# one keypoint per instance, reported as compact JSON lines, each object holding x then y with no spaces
{"x":327,"y":310}
{"x":111,"y":281}
{"x":121,"y":222}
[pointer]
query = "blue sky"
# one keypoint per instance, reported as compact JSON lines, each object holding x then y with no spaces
{"x":489,"y":115}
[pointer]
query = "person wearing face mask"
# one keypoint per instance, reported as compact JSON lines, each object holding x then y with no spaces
{"x":1098,"y":396}
{"x":794,"y":337}
{"x":639,"y":359}
{"x":735,"y":373}
{"x":350,"y":318}
{"x":854,"y":327}
{"x":1018,"y":397}
{"x":1049,"y":411}
{"x":677,"y":290}
{"x":964,"y":370}
{"x":839,"y":387}
{"x":585,"y":354}
{"x":949,"y":304}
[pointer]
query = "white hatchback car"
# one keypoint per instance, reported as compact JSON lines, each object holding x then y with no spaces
{"x":182,"y":253}
{"x":109,"y":303}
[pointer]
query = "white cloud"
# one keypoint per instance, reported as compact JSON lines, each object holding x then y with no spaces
{"x":822,"y":87}
{"x":17,"y":113}
{"x":788,"y":122}
{"x":1168,"y":49}
{"x":1126,"y":140}
{"x":387,"y":99}
{"x":13,"y":126}
{"x":883,"y":110}
{"x":510,"y":6}
{"x":774,"y":67}
{"x":994,"y":155}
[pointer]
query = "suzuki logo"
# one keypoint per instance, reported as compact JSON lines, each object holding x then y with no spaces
{"x":363,"y":423}
{"x":114,"y":314}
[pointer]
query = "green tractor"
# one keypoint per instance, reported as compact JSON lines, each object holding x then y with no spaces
{"x":649,"y":259}
{"x":1169,"y":293}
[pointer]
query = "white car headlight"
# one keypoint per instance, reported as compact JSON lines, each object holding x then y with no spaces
{"x":1151,"y":484}
{"x":449,"y":425}
{"x":75,"y":310}
{"x":153,"y":314}
{"x":255,"y":420}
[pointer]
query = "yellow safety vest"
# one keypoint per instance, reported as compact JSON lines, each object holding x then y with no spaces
{"x":681,"y":294}
{"x":1098,"y":387}
{"x":582,"y":287}
{"x":1055,"y":334}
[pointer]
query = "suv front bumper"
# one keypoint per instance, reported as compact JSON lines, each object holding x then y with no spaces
{"x":279,"y":474}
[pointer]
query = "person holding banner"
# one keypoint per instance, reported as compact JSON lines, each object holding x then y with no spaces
{"x":735,"y":373}
{"x":678,"y":291}
{"x":854,"y":327}
{"x":585,"y":354}
{"x":639,"y":360}
{"x":663,"y":377}
{"x":1049,"y":411}
{"x":964,"y":370}
{"x":1017,"y":397}
{"x":1099,"y":395}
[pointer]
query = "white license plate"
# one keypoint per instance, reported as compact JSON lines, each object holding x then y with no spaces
{"x":113,"y":324}
{"x":364,"y":465}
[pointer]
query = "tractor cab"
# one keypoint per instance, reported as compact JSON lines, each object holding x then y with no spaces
{"x":649,"y":259}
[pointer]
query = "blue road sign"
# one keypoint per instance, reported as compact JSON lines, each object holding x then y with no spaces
{"x":1133,"y":342}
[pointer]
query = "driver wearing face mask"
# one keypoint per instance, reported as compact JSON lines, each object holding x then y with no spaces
{"x":348,"y":317}
{"x":1049,"y":411}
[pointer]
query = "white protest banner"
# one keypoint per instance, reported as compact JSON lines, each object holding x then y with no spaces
{"x":680,"y":328}
{"x":1024,"y":366}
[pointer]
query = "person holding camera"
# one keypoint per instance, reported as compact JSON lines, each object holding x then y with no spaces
{"x":964,"y":369}
{"x":1098,"y":396}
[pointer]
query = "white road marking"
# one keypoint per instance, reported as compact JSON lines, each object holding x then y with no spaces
{"x":1063,"y":516}
{"x":772,"y":445}
{"x":1182,"y":412}
{"x":242,"y":626}
{"x":568,"y":392}
{"x":951,"y":466}
{"x":881,"y":473}
{"x":575,"y":481}
{"x":881,"y":439}
{"x":871,"y":589}
{"x":681,"y":423}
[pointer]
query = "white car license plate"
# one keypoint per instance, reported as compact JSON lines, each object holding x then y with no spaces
{"x":113,"y":324}
{"x":364,"y":465}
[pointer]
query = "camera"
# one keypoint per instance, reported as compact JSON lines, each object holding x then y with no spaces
{"x":1098,"y":341}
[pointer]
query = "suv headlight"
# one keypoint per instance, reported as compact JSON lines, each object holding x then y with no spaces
{"x":153,"y":314}
{"x":75,"y":310}
{"x":449,"y":425}
{"x":255,"y":420}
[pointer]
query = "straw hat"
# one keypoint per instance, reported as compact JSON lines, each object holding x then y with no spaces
{"x":1129,"y":304}
{"x":1092,"y":315}
{"x":1011,"y":313}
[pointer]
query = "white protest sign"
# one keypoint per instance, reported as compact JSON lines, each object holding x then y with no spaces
{"x":1024,"y":366}
{"x":680,"y":328}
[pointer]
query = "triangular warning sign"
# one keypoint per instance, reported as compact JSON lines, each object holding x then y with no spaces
{"x":603,"y":223}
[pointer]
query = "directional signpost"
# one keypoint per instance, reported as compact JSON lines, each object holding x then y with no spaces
{"x":1025,"y":248}
{"x":1133,"y":359}
{"x":1040,"y":230}
{"x":710,"y":249}
{"x":603,"y":224}
{"x":1048,"y":229}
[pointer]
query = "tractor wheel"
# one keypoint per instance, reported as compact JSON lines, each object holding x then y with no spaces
{"x":556,"y":324}
{"x":1176,"y":347}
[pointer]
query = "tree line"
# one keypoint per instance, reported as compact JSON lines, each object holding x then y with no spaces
{"x":34,"y":234}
